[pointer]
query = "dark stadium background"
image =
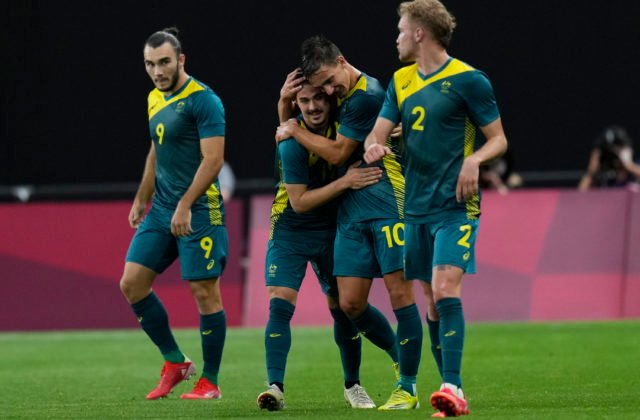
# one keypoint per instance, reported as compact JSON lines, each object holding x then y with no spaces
{"x":74,"y":87}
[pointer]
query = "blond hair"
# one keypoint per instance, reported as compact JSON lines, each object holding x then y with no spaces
{"x":433,"y":16}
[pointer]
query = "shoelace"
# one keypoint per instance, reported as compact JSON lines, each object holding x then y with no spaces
{"x":360,"y":395}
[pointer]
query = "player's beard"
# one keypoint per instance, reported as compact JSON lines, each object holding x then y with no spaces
{"x":174,"y":80}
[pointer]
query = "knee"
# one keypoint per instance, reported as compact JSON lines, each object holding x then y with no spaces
{"x":352,"y":307}
{"x":132,"y":290}
{"x":401,"y":295}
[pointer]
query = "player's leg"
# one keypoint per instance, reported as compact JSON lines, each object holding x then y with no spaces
{"x":203,"y":256}
{"x":355,"y":266}
{"x":388,"y":236}
{"x":345,"y":333}
{"x":152,"y":249}
{"x":285,"y":267}
{"x":433,"y":324}
{"x":453,"y":256}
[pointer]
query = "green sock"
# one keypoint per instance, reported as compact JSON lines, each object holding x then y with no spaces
{"x":410,"y":345}
{"x":376,"y":328}
{"x":451,"y":338}
{"x":154,"y":321}
{"x":348,"y":340}
{"x":277,"y":338}
{"x":436,"y":350}
{"x":213,"y":331}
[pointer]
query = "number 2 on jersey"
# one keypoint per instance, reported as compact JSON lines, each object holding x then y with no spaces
{"x":417,"y":125}
{"x":160,"y":132}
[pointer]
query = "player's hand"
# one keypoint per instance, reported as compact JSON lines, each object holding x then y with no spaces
{"x":375,"y":152}
{"x":291,"y":86}
{"x":286,"y":130}
{"x":357,"y":178}
{"x":136,"y":214}
{"x":181,"y":222}
{"x":396,"y":132}
{"x":467,"y":185}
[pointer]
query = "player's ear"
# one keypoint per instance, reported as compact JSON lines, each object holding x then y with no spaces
{"x":341,"y":60}
{"x":181,"y":60}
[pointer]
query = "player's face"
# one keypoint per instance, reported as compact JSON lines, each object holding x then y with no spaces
{"x":406,"y":42}
{"x":314,"y":105}
{"x":163,"y":66}
{"x":332,"y":79}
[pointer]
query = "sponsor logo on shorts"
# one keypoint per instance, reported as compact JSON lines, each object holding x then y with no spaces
{"x":450,"y":333}
{"x":405,"y":341}
{"x":207,"y":332}
{"x":272,"y":270}
{"x":211,"y":264}
{"x":466,"y":255}
{"x":274,"y":335}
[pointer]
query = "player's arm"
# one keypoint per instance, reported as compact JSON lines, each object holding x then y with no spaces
{"x":626,"y":158}
{"x":336,"y":152}
{"x":212,"y":150}
{"x":374,"y":145}
{"x":303,"y":199}
{"x":494,"y":147}
{"x":145,"y":189}
{"x":291,"y":86}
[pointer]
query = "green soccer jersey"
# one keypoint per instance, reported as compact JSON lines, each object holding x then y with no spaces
{"x":177,"y":123}
{"x":296,"y":165}
{"x":440,"y":115}
{"x":357,"y":115}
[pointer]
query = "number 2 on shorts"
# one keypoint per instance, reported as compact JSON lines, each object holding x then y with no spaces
{"x":464,"y":241}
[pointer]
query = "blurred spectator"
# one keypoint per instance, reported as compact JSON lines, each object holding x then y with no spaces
{"x":611,"y":161}
{"x":227,"y":180}
{"x":499,"y":174}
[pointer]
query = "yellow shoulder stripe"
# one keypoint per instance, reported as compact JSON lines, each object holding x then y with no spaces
{"x":361,"y":84}
{"x":156,"y":101}
{"x":407,"y":81}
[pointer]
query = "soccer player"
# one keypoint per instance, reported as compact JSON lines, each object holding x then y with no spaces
{"x":186,"y":219}
{"x":303,"y":229}
{"x":443,"y":104}
{"x":370,"y":234}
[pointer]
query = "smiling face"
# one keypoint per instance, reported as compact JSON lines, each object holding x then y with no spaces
{"x":314,"y":105}
{"x":164,"y":67}
{"x":332,"y":78}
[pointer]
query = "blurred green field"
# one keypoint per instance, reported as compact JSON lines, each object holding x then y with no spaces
{"x":531,"y":371}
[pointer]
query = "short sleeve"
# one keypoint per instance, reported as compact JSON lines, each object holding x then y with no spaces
{"x":390,"y":109}
{"x":358,"y":115}
{"x":480,"y":99}
{"x":295,"y":162}
{"x":209,"y":114}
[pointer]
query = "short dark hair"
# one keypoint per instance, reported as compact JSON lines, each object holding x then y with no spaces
{"x":315,"y":52}
{"x":169,"y":35}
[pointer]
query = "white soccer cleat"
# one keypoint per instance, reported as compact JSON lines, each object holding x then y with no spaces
{"x":357,"y":397}
{"x":272,"y":399}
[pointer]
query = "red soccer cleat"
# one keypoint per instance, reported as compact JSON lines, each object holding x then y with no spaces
{"x":204,"y":390}
{"x":446,"y":401}
{"x":170,"y":376}
{"x":439,"y":414}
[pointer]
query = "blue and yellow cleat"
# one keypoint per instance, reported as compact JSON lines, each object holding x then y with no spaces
{"x":400,"y":400}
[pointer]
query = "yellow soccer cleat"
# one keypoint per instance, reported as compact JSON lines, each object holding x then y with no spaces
{"x":400,"y":400}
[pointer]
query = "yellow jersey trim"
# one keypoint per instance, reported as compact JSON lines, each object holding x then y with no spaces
{"x":361,"y":84}
{"x":394,"y":172}
{"x":407,"y":81}
{"x":156,"y":101}
{"x":473,"y":204}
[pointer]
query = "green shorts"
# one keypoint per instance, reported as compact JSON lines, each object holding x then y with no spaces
{"x":449,"y":242}
{"x":203,"y":254}
{"x":369,"y":249}
{"x":286,"y":263}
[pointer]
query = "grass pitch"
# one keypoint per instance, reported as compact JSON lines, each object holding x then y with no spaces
{"x":530,"y":371}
